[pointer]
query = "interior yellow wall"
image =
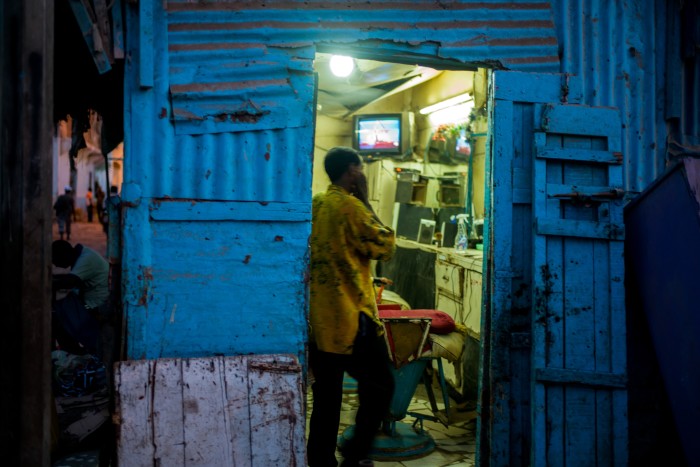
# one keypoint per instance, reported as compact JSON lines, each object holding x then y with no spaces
{"x":447,"y":84}
{"x":479,"y":127}
{"x":332,"y":132}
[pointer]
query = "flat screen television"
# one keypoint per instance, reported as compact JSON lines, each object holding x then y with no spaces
{"x":380,"y":135}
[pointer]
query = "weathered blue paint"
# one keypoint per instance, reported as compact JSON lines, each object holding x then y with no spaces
{"x":216,"y":225}
{"x":579,"y":338}
{"x":635,"y":56}
{"x":274,"y":44}
{"x":146,"y":49}
{"x":663,"y":248}
{"x":219,"y":117}
{"x":220,"y":110}
{"x":557,"y":288}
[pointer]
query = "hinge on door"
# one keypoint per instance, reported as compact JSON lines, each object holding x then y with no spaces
{"x":590,"y":199}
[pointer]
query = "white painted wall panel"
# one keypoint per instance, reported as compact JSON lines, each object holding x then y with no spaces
{"x":215,"y":411}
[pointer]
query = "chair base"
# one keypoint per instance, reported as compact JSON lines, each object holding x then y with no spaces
{"x":403,"y":442}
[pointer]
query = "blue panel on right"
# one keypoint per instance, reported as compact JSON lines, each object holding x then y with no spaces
{"x":663,"y":254}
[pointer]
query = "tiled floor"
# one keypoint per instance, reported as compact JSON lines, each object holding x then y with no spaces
{"x":455,"y":444}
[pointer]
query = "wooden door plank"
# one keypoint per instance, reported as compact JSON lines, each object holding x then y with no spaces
{"x":198,"y":411}
{"x":601,"y":307}
{"x":583,"y":229}
{"x":581,"y":120}
{"x":580,"y":437}
{"x":276,"y":411}
{"x":579,"y":316}
{"x":601,"y":156}
{"x":542,"y":87}
{"x":134,"y":408}
{"x":502,"y":205}
{"x":237,"y":410}
{"x":166,"y":394}
{"x":603,"y":427}
{"x":206,"y":432}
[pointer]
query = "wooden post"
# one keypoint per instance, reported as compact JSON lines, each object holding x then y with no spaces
{"x":26,"y":64}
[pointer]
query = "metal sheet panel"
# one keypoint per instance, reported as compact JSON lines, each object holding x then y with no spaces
{"x":628,"y":55}
{"x":219,"y":50}
{"x":216,"y":225}
{"x":222,"y":278}
{"x":245,"y":410}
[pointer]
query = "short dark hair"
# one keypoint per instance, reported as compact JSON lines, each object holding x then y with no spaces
{"x":338,"y":160}
{"x":61,"y":253}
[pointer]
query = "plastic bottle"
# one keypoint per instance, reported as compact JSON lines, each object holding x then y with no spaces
{"x":461,"y":240}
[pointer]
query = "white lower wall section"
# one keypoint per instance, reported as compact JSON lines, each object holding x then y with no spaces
{"x":213,"y":411}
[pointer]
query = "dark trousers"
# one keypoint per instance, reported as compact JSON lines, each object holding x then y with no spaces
{"x":369,"y":365}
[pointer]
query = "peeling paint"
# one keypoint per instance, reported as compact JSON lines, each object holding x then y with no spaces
{"x":145,"y":279}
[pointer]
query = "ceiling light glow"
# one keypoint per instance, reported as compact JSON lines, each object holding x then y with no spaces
{"x":460,"y":99}
{"x":342,"y":66}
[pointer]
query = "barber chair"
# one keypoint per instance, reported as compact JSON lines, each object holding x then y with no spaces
{"x":407,"y":339}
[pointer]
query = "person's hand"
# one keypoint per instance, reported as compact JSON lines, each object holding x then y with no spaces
{"x":360,"y":188}
{"x":382,"y":281}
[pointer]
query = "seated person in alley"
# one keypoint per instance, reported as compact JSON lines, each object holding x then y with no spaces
{"x":75,"y":319}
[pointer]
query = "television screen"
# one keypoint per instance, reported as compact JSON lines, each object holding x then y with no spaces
{"x":378,"y":134}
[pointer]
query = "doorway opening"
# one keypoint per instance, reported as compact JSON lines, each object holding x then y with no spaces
{"x":421,"y":132}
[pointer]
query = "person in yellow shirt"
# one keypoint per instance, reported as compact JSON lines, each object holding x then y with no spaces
{"x":346,"y":334}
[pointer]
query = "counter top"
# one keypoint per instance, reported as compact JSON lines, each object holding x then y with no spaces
{"x":471,"y":258}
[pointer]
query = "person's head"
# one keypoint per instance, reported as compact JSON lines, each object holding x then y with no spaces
{"x":62,"y":253}
{"x":342,"y":163}
{"x":67,"y":189}
{"x":113,"y":189}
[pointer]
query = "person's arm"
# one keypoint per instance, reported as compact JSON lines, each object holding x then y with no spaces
{"x":367,"y":234}
{"x":362,"y":193}
{"x":67,"y":281}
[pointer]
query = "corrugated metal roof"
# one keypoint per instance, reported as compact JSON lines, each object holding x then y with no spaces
{"x":220,"y":50}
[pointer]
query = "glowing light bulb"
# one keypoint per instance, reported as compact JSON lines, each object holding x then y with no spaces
{"x":341,"y":65}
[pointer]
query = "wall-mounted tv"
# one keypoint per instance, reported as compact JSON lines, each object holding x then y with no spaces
{"x":380,"y":135}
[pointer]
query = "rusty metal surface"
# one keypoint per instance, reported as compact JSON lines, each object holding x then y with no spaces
{"x":220,"y":50}
{"x":628,"y":55}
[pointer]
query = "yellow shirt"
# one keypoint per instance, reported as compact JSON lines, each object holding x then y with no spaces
{"x":345,"y":236}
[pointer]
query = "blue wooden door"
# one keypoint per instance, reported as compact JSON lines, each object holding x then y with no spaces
{"x":554,"y":390}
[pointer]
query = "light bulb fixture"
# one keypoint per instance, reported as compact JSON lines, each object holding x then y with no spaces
{"x":452,"y":101}
{"x":342,"y":65}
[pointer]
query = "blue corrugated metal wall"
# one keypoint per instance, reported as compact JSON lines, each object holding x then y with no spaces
{"x":220,"y":125}
{"x":219,"y":114}
{"x":628,"y":55}
{"x":513,"y":34}
{"x":216,"y":224}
